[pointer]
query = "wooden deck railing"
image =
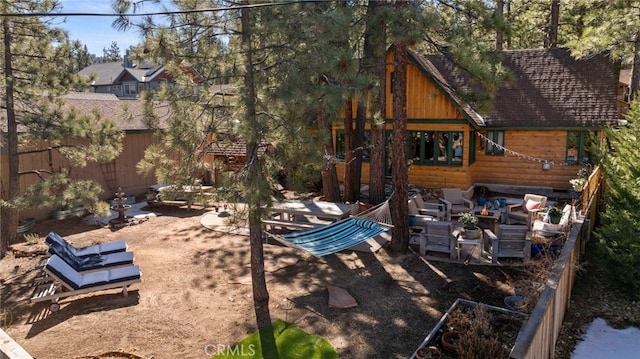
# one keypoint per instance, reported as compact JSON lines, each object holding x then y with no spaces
{"x":537,"y":338}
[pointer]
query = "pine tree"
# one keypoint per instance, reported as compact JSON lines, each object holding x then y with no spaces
{"x":36,"y":62}
{"x":112,"y":53}
{"x":617,"y":234}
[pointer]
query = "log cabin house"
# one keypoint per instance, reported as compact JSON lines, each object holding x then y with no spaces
{"x":535,"y":132}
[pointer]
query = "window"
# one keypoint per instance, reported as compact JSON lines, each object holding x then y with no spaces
{"x":140,"y":87}
{"x":129,"y":89}
{"x":340,"y":148}
{"x":435,"y":147}
{"x":578,"y":145}
{"x":495,"y":143}
{"x":423,"y":147}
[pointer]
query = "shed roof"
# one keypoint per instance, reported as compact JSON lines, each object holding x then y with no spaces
{"x":547,"y":88}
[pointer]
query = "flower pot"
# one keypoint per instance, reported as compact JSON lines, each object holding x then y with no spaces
{"x":428,"y":353}
{"x":450,"y":342}
{"x":537,"y":249}
{"x":472,"y":233}
{"x":515,"y":302}
{"x":555,"y":219}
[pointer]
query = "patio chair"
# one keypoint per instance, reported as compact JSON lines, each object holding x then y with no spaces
{"x":97,"y":249}
{"x":525,"y":212}
{"x":511,"y":241}
{"x":456,"y":201}
{"x":91,"y":263}
{"x":435,"y":210}
{"x":438,"y":237}
{"x":68,"y":282}
{"x":542,"y":227}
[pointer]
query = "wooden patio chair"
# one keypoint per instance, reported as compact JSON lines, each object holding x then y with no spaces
{"x":525,"y":212}
{"x":438,"y":237}
{"x":511,"y":241}
{"x":456,"y":201}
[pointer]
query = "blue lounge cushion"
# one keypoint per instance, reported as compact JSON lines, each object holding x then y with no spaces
{"x":86,"y":263}
{"x":63,"y":271}
{"x":96,"y":249}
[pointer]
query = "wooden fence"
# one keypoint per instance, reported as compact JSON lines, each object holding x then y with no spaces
{"x":538,"y":336}
{"x":119,"y":173}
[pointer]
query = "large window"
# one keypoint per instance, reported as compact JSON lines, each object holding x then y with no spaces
{"x":578,"y":145}
{"x":435,"y":147}
{"x":495,"y":144}
{"x":423,"y":147}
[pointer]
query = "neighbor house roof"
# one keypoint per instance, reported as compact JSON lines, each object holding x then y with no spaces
{"x":109,"y":73}
{"x":546,"y":88}
{"x":111,"y":107}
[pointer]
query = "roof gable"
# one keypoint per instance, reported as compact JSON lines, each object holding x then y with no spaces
{"x":105,"y":73}
{"x":547,"y":88}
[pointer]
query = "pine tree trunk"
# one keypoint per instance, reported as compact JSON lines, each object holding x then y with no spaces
{"x":499,"y":15}
{"x":634,"y":86}
{"x":252,"y":181}
{"x":554,"y":18}
{"x":330,"y":186}
{"x":358,"y":142}
{"x":375,"y":50}
{"x":348,"y":153}
{"x":400,"y":213}
{"x":10,"y":214}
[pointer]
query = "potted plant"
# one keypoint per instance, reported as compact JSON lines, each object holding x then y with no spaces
{"x":555,"y":214}
{"x":468,"y":220}
{"x":578,"y":183}
{"x":471,"y":231}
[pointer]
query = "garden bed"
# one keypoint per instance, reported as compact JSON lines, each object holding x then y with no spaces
{"x":481,"y":329}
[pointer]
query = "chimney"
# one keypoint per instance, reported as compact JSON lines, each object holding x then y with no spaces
{"x":127,"y":62}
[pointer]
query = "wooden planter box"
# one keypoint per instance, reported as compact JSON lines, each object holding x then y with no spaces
{"x":434,"y":337}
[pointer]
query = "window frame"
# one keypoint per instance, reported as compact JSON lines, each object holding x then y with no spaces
{"x":583,"y":156}
{"x":496,"y":137}
{"x":421,"y":149}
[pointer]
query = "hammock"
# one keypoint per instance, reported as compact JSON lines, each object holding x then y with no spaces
{"x":343,"y":234}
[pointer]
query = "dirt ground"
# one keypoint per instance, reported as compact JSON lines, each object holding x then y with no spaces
{"x":187,"y":307}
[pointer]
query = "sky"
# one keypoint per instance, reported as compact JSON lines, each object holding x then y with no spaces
{"x":95,"y":31}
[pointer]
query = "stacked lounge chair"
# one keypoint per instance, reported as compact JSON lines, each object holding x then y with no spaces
{"x":73,"y":271}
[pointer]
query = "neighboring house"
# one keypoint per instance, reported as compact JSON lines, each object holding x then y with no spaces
{"x":545,"y":113}
{"x":226,"y":155}
{"x":128,"y":79}
{"x":119,"y":173}
{"x":624,"y":91}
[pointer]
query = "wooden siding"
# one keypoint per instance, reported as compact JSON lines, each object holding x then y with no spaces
{"x":122,"y":171}
{"x":429,"y":176}
{"x":424,"y":99}
{"x":521,"y":168}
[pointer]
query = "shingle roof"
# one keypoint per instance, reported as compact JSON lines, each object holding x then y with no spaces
{"x":548,"y":88}
{"x":108,"y":73}
{"x":112,"y":108}
{"x":235,"y":149}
